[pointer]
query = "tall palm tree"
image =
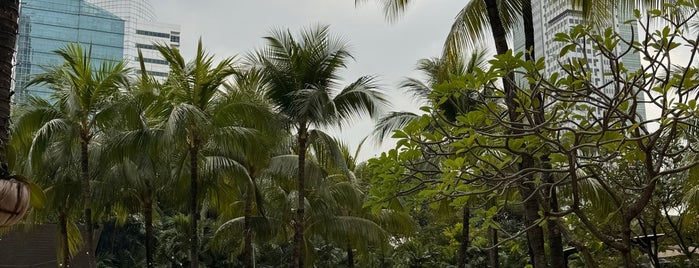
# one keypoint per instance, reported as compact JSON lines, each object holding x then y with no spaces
{"x":56,"y":170}
{"x":9,"y":15}
{"x":133,"y":158}
{"x":303,"y":76}
{"x":250,"y":87}
{"x":82,"y":92}
{"x":204,"y":120}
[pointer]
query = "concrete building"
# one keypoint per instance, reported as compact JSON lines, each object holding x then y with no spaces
{"x":551,"y":17}
{"x":141,"y":31}
{"x":48,"y":25}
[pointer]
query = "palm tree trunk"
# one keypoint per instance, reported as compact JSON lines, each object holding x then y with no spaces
{"x":535,"y":234}
{"x":9,"y":14}
{"x":350,"y":255}
{"x":87,"y":199}
{"x":247,"y":227}
{"x":555,"y":239}
{"x":554,"y":232}
{"x":193,"y":202}
{"x":493,"y":258}
{"x":148,"y":215}
{"x":65,"y":247}
{"x":298,"y":224}
{"x":463,"y":249}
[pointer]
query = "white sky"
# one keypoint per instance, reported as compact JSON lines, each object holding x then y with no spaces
{"x":388,"y":50}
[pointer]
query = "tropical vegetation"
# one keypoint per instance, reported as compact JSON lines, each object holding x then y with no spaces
{"x":227,"y":161}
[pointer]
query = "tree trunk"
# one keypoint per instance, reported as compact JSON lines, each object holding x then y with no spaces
{"x":9,"y":15}
{"x":493,"y":258}
{"x":626,"y":240}
{"x":350,"y":255}
{"x":193,"y":202}
{"x":496,"y":26}
{"x":554,"y":232}
{"x":535,"y":235}
{"x":148,"y":215}
{"x":87,"y":199}
{"x":65,"y":247}
{"x":463,"y":249}
{"x":532,"y":205}
{"x":247,"y":228}
{"x":299,"y":223}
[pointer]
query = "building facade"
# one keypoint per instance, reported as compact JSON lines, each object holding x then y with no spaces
{"x":141,"y":32}
{"x":114,"y":29}
{"x":551,"y":17}
{"x":49,"y":25}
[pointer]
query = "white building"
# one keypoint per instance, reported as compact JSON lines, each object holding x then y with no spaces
{"x":142,"y":31}
{"x":551,"y":17}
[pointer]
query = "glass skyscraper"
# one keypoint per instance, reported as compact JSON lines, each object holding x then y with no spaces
{"x":142,"y":30}
{"x":49,"y":25}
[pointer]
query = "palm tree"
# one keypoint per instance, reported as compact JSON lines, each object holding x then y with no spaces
{"x":82,"y":92}
{"x":9,"y":15}
{"x":302,"y":77}
{"x":203,"y":119}
{"x":134,"y":160}
{"x":250,"y":87}
{"x":334,"y":215}
{"x":56,"y":169}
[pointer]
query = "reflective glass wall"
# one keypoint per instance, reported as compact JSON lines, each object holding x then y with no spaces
{"x":48,"y":25}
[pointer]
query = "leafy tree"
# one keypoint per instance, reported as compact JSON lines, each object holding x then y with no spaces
{"x":302,"y":77}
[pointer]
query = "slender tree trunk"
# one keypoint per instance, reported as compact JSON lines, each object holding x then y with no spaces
{"x":9,"y":15}
{"x":299,"y":223}
{"x":350,"y":255}
{"x":626,"y":240}
{"x":148,"y":215}
{"x":554,"y":232}
{"x":87,"y":199}
{"x":463,"y":249}
{"x":247,"y":227}
{"x":493,"y":257}
{"x":535,"y":235}
{"x":194,"y":201}
{"x":65,"y":247}
{"x":496,"y":26}
{"x":555,"y":240}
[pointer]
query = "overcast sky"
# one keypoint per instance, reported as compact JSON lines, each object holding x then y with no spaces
{"x":387,"y":50}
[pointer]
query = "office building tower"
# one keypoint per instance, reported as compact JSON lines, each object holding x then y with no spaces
{"x":551,"y":17}
{"x":142,"y":31}
{"x":49,"y":25}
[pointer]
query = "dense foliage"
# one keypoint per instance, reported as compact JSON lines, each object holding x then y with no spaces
{"x":225,"y":163}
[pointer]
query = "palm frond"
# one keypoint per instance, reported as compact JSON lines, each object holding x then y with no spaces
{"x":391,"y":122}
{"x":360,"y":98}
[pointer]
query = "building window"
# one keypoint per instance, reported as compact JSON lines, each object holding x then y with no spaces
{"x":144,"y":46}
{"x":156,"y":34}
{"x":153,"y":73}
{"x":175,"y":39}
{"x":155,"y":61}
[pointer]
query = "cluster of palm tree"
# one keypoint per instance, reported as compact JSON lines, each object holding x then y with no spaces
{"x":237,"y":143}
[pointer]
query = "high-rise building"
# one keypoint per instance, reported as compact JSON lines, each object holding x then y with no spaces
{"x":551,"y":17}
{"x":48,"y":25}
{"x":142,"y":31}
{"x":115,"y":30}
